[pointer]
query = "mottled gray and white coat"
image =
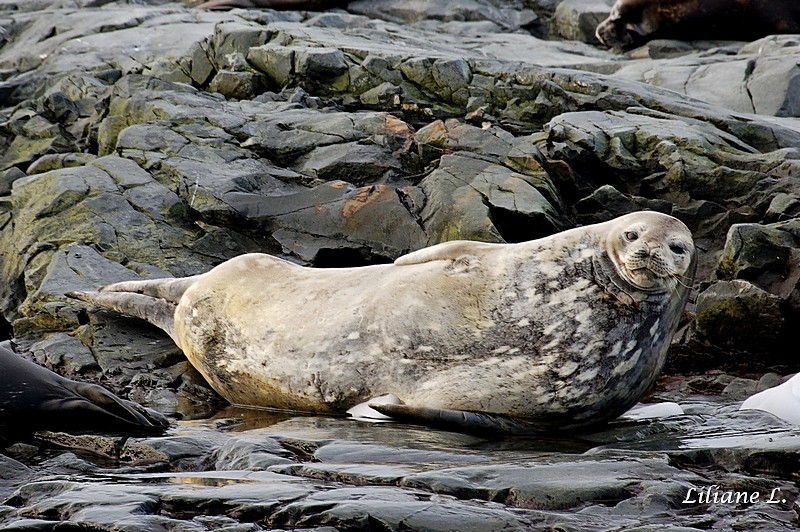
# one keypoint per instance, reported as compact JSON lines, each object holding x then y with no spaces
{"x":564,"y":331}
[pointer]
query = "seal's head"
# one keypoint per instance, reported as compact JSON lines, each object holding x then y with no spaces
{"x":652,"y":252}
{"x":629,"y":24}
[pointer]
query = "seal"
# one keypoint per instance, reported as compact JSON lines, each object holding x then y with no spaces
{"x":561,"y":332}
{"x":34,"y":398}
{"x":634,"y":22}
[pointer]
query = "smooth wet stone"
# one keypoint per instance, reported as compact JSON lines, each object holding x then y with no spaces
{"x":393,"y":508}
{"x":12,"y":470}
{"x":655,"y":410}
{"x":68,"y":500}
{"x":371,"y":474}
{"x":254,"y":452}
{"x":311,"y":500}
{"x":247,"y":497}
{"x":558,"y":485}
{"x":740,"y":388}
{"x":94,"y":451}
{"x":768,"y":380}
{"x":348,"y":452}
{"x":187,"y":449}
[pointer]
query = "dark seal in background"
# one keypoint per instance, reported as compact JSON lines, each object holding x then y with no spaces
{"x":634,"y":22}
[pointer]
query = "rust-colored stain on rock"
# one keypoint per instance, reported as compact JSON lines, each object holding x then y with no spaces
{"x":361,"y":198}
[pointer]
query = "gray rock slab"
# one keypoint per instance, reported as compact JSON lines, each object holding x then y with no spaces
{"x":467,"y":196}
{"x":348,"y":452}
{"x":336,"y":216}
{"x":393,"y":508}
{"x":505,"y":18}
{"x":81,"y":39}
{"x":12,"y":469}
{"x":560,"y":485}
{"x":64,"y":353}
{"x":250,"y":451}
{"x":761,"y":78}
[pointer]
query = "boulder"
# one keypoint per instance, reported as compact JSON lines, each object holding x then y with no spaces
{"x":737,"y":315}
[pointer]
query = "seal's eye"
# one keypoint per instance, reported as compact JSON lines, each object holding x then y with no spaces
{"x":630,"y":236}
{"x":678,"y":249}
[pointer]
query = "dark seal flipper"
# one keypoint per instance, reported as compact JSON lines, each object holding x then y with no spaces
{"x":33,"y":398}
{"x":478,"y":423}
{"x":127,"y":415}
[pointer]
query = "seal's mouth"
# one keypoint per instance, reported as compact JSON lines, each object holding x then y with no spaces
{"x":646,"y":277}
{"x":648,"y":269}
{"x":631,"y":286}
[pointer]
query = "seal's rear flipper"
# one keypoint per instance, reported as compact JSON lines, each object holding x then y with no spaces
{"x":365,"y":412}
{"x":478,"y":423}
{"x":159,"y":312}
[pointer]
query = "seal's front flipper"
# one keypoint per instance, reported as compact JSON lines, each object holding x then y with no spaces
{"x":478,"y":423}
{"x":452,"y":250}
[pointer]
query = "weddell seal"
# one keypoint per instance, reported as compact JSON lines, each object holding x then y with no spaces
{"x":562,"y":332}
{"x":34,"y":398}
{"x":633,"y":22}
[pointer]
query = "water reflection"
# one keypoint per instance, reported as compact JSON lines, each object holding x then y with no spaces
{"x":708,"y":422}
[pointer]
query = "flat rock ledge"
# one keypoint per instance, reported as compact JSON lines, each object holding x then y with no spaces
{"x":251,"y":470}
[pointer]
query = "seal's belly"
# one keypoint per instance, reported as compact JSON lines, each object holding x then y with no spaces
{"x":333,"y":343}
{"x":566,"y":367}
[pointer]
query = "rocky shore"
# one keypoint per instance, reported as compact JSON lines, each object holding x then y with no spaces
{"x":151,"y":139}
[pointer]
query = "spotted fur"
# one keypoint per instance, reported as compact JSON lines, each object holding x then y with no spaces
{"x":565,"y":331}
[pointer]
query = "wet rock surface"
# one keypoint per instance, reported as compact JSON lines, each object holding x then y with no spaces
{"x":143,"y":141}
{"x":255,"y":470}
